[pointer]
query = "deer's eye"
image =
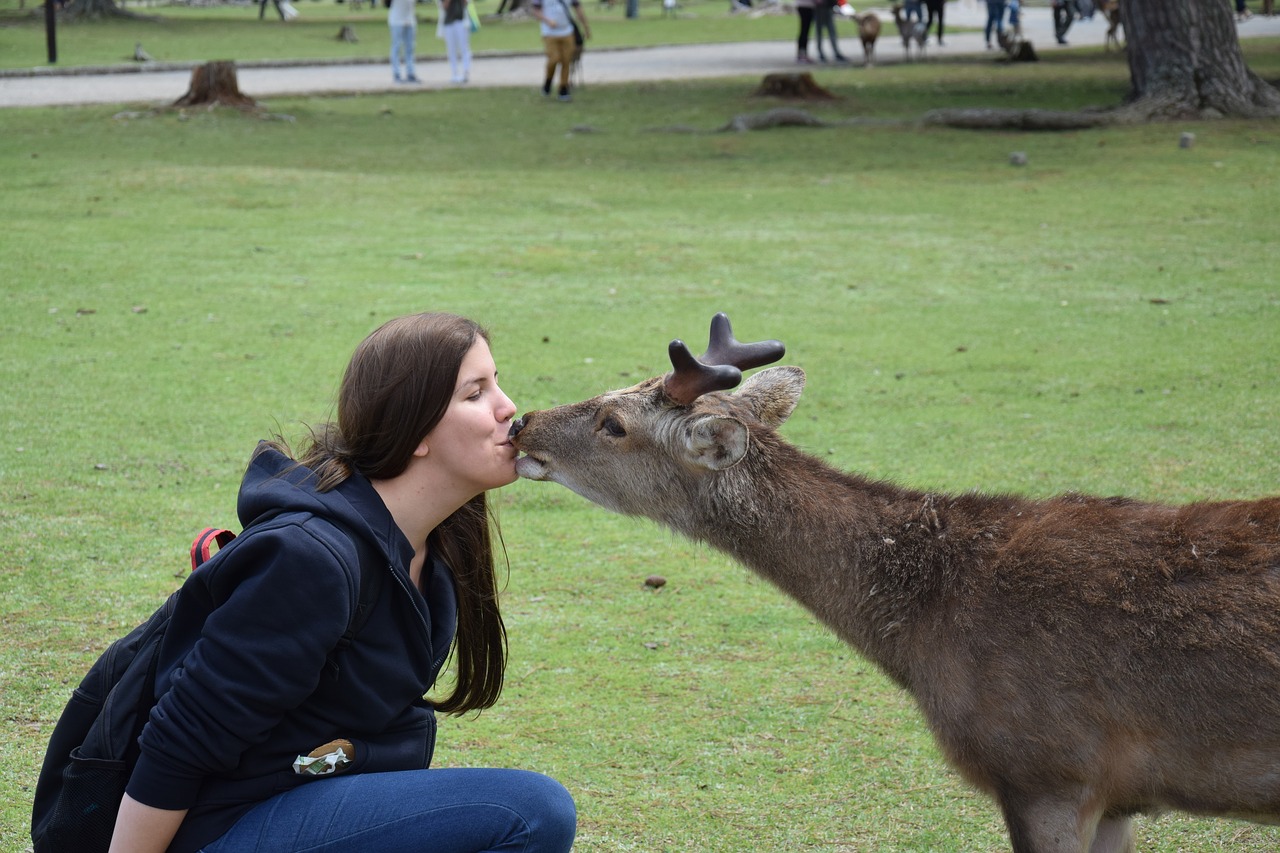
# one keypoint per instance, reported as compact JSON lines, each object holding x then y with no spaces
{"x":613,"y":427}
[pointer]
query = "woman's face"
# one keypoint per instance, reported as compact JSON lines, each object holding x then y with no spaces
{"x":470,"y":444}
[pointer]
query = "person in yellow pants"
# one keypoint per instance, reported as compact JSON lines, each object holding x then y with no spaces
{"x":558,"y":39}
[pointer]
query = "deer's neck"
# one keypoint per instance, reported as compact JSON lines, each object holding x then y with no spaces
{"x":874,"y":562}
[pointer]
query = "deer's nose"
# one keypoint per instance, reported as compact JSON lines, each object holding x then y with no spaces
{"x":516,"y":426}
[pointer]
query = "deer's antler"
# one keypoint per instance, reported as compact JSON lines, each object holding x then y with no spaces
{"x":720,"y":367}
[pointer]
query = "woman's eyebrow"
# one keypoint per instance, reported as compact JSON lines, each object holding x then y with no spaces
{"x":480,"y":379}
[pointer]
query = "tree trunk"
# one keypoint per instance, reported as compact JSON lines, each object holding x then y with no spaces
{"x":214,"y":84}
{"x":1185,"y":62}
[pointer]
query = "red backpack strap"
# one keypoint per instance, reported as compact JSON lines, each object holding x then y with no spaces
{"x":203,"y":544}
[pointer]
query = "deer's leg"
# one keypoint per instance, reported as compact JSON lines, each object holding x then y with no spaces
{"x":1114,"y":835}
{"x":1047,"y":824}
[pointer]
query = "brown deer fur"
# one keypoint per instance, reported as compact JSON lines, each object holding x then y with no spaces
{"x":1110,"y":10}
{"x":868,"y":32}
{"x":1080,"y":659}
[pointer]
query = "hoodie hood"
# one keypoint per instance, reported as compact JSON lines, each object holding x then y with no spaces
{"x":275,"y":484}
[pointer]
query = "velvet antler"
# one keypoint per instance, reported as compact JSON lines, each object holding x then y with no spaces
{"x":720,"y":367}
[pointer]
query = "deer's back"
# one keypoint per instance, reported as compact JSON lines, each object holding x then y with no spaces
{"x":1110,"y":633}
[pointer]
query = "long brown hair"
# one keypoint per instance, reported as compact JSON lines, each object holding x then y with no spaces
{"x":396,"y":388}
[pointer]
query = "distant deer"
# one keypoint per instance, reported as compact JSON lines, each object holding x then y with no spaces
{"x":868,"y":32}
{"x":1110,"y":10}
{"x":912,"y":33}
{"x":1080,"y":659}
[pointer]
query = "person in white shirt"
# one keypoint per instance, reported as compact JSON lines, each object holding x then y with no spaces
{"x":558,"y":40}
{"x":403,"y":22}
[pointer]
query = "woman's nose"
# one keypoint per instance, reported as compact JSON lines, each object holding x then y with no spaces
{"x":507,"y":410}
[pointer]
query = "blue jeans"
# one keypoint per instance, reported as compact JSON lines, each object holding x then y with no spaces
{"x":402,"y":48}
{"x":995,"y":18}
{"x":452,"y":810}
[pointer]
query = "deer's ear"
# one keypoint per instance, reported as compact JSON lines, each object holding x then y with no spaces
{"x":716,"y":443}
{"x":772,"y":395}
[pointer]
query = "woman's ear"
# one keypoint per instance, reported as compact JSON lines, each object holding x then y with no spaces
{"x":421,"y":450}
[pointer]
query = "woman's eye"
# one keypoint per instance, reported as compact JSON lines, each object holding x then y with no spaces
{"x":612,"y":427}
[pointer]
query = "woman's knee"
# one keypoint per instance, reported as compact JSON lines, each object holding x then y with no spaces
{"x":548,"y":809}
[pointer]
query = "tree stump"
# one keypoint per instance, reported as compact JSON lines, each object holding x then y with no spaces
{"x":1016,"y":48}
{"x":93,"y":10}
{"x":348,"y":35}
{"x":1024,"y":52}
{"x":214,"y":84}
{"x":797,"y":86}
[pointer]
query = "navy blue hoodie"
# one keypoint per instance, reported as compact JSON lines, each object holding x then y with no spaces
{"x":252,"y":675}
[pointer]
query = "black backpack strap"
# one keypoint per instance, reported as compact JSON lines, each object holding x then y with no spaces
{"x":372,"y":570}
{"x":372,"y":575}
{"x":369,"y":561}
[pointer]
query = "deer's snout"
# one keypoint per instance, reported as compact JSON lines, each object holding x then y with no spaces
{"x":517,"y":425}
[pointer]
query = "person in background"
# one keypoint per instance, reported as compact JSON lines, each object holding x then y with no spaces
{"x":1064,"y":12}
{"x":271,"y":733}
{"x":403,"y":22}
{"x":995,"y":21}
{"x":558,"y":41}
{"x":805,"y":9}
{"x":935,"y":9}
{"x":262,"y":9}
{"x":457,"y":40}
{"x":824,"y":20}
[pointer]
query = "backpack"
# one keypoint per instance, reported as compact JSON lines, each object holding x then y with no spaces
{"x":94,"y":746}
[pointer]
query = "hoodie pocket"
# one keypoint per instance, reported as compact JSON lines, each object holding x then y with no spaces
{"x":403,"y":749}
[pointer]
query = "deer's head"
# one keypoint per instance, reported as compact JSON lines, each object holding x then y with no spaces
{"x":644,"y":450}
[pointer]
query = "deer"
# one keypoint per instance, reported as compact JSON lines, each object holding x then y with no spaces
{"x":1110,"y":10}
{"x":868,"y":32}
{"x":911,"y":32}
{"x":1079,"y":659}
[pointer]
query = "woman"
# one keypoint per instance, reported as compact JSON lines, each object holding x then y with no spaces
{"x":457,"y":40}
{"x":272,"y":735}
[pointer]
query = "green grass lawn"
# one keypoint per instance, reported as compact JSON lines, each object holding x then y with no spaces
{"x":178,"y":286}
